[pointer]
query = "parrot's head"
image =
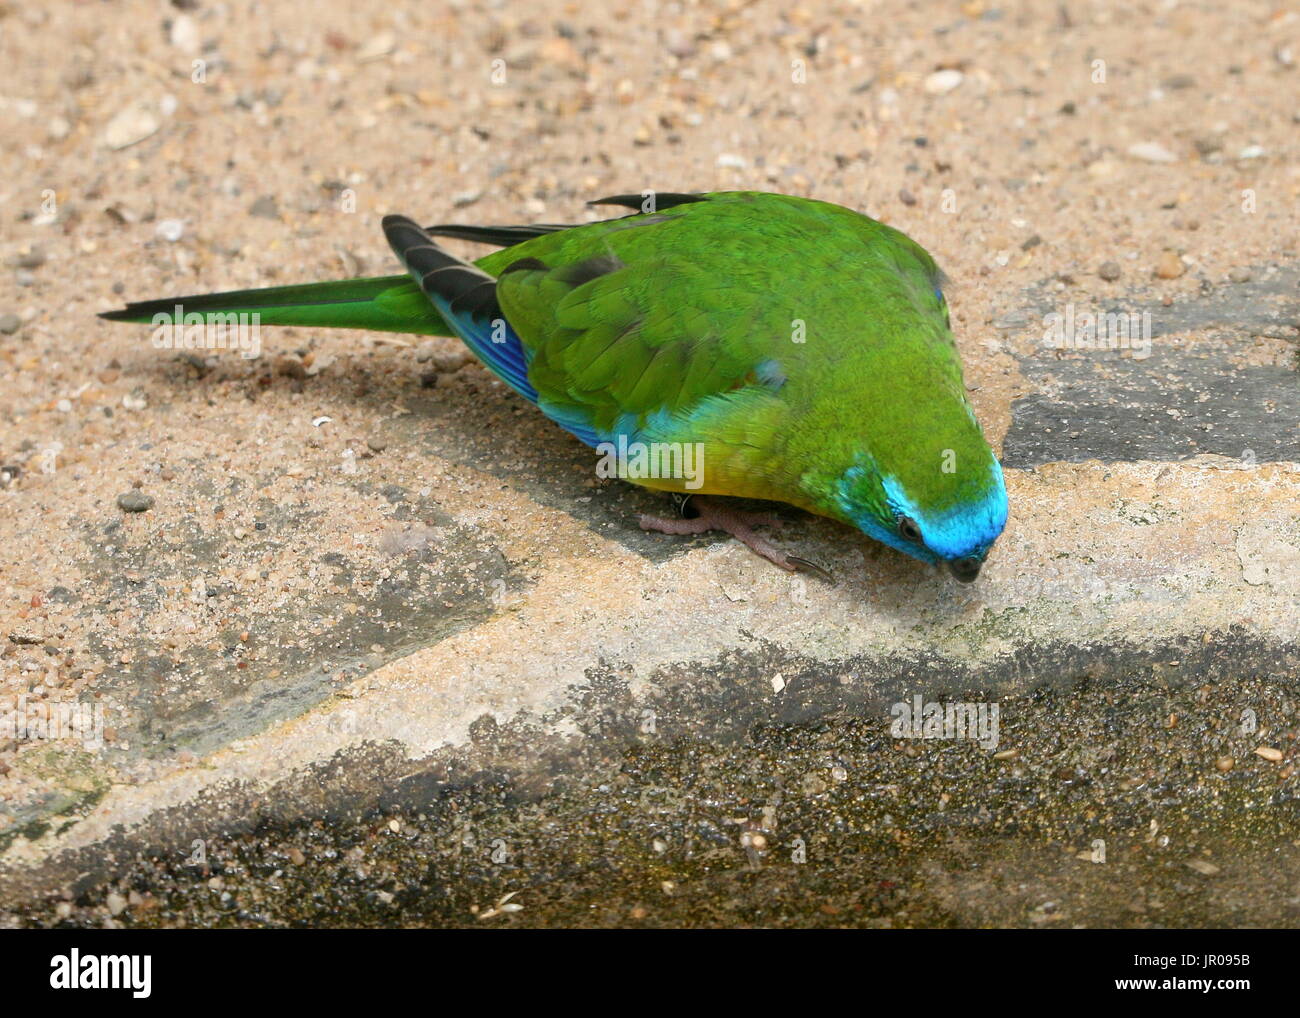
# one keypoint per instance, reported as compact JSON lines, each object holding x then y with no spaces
{"x":940,"y":503}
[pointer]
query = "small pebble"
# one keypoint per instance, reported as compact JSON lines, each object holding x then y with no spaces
{"x":449,"y":362}
{"x":1152,"y":152}
{"x":814,"y":784}
{"x":1269,"y":753}
{"x":10,"y":323}
{"x":265,"y":207}
{"x":943,"y":82}
{"x":1109,"y":271}
{"x":184,"y":34}
{"x":170,"y":230}
{"x":134,"y":501}
{"x":130,"y":126}
{"x":678,"y":43}
{"x":377,"y":47}
{"x":290,"y":367}
{"x":1225,"y":763}
{"x":32,"y":258}
{"x":1170,"y":266}
{"x":1239,"y":275}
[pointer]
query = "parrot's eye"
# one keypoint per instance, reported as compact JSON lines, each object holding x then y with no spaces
{"x":908,"y":530}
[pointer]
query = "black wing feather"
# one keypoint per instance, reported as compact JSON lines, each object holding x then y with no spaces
{"x":501,"y":236}
{"x":463,"y":286}
{"x":662,"y":200}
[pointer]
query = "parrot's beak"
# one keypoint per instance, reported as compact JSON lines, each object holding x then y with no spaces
{"x":965,"y":569}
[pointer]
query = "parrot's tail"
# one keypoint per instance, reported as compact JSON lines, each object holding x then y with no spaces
{"x":381,"y":303}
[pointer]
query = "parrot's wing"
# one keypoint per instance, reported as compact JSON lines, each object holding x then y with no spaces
{"x":612,"y":344}
{"x":604,"y":335}
{"x":627,"y":321}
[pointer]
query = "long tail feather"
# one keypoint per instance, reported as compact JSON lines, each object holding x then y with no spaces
{"x":381,"y":303}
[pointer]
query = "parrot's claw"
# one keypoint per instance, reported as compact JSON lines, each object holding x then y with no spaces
{"x":713,"y":515}
{"x":812,"y":567}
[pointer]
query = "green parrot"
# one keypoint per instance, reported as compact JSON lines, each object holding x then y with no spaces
{"x":728,"y":343}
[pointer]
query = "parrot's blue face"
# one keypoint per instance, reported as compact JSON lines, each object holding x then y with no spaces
{"x":959,"y":537}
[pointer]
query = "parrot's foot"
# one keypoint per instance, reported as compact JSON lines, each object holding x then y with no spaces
{"x":712,"y":515}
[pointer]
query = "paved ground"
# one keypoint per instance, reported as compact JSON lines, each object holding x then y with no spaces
{"x":397,"y":665}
